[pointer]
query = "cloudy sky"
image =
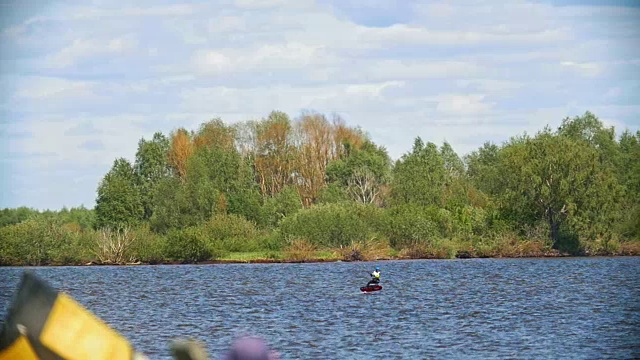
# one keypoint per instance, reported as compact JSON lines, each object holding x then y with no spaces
{"x":83,"y":81}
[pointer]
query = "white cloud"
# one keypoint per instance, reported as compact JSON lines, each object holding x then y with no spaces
{"x":263,"y":58}
{"x":226,"y":24}
{"x":37,"y":88}
{"x":370,"y":90}
{"x":261,"y":100}
{"x":613,"y":93}
{"x":212,"y":62}
{"x":52,"y":134}
{"x":96,"y":13}
{"x":416,"y":69}
{"x":265,"y":4}
{"x":414,"y":35}
{"x":453,"y":104}
{"x":585,"y":69}
{"x":14,"y":31}
{"x":81,"y":49}
{"x":493,"y":86}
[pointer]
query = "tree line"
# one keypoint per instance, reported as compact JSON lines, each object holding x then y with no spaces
{"x":288,"y":187}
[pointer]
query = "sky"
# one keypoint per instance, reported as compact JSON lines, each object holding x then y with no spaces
{"x":81,"y":82}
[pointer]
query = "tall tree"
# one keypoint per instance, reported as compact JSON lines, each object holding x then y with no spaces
{"x":453,"y":165}
{"x":180,"y":152}
{"x":345,"y":138}
{"x":215,"y":134}
{"x":483,"y":168}
{"x":558,"y":180}
{"x":119,"y":203}
{"x":314,"y":143}
{"x":362,"y":171}
{"x":151,"y":166}
{"x":419,"y":176}
{"x":458,"y":190}
{"x":275,"y":153}
{"x":629,"y":175}
{"x":589,"y":129}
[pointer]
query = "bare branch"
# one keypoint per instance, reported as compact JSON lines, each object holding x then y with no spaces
{"x":112,"y":247}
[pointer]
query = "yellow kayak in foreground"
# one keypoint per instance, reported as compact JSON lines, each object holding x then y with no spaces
{"x":43,"y":323}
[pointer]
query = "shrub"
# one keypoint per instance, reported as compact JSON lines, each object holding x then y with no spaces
{"x":630,"y":248}
{"x":408,"y":225}
{"x":148,"y":247}
{"x":271,"y":241}
{"x":280,"y":206}
{"x":603,"y":247}
{"x":365,"y":250}
{"x":188,"y":245}
{"x":300,"y":250}
{"x":328,"y":225}
{"x":443,"y":250}
{"x":44,"y":241}
{"x":468,"y":221}
{"x":232,"y":232}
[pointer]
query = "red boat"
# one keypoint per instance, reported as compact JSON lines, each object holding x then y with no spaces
{"x":370,"y":288}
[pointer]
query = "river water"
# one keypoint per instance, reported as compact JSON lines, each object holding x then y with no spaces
{"x":569,"y":308}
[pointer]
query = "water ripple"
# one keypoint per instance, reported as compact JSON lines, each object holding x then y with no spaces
{"x":574,"y":308}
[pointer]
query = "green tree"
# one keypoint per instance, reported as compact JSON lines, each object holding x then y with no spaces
{"x":453,"y":165}
{"x":278,"y":207}
{"x":483,"y":168}
{"x":119,"y":202}
{"x":16,"y":216}
{"x":629,"y":175}
{"x":458,"y":189}
{"x":558,"y":180}
{"x":419,"y":176}
{"x":151,"y":166}
{"x":361,"y":172}
{"x":84,"y":218}
{"x":174,"y":207}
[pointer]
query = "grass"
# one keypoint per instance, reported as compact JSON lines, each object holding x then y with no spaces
{"x":252,"y":256}
{"x":256,"y":256}
{"x":302,"y":250}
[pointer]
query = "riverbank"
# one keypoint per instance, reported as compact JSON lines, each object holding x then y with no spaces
{"x":260,"y":258}
{"x":304,"y":252}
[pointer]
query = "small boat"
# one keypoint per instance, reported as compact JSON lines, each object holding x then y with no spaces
{"x":371,"y":288}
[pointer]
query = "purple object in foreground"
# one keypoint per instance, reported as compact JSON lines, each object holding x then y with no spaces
{"x":250,"y":348}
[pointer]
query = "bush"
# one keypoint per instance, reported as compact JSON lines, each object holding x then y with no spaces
{"x":232,"y":232}
{"x":332,"y":194}
{"x":271,"y":241}
{"x":188,"y":245}
{"x":408,"y":225}
{"x":435,"y":250}
{"x":506,"y":244}
{"x":603,"y":247}
{"x":468,"y":221}
{"x":42,"y":242}
{"x":300,"y":250}
{"x":148,"y":246}
{"x":367,"y":250}
{"x":630,"y":248}
{"x":328,"y":225}
{"x":284,"y":204}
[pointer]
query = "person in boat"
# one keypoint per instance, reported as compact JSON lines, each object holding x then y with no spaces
{"x":375,"y":277}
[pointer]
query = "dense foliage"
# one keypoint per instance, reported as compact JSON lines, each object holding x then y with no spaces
{"x":280,"y":186}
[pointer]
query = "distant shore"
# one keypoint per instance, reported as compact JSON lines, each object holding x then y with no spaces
{"x":243,"y":258}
